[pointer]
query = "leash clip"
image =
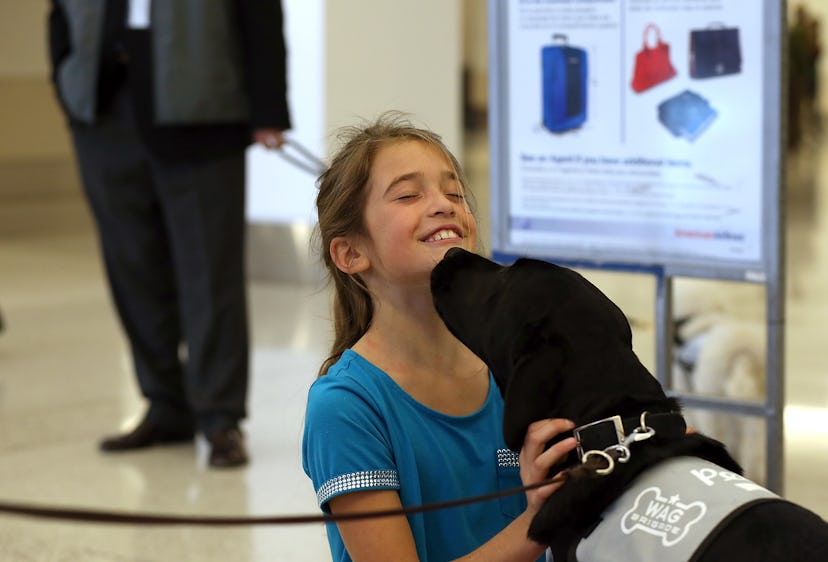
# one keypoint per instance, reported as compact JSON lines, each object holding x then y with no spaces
{"x":607,"y":435}
{"x":640,"y":433}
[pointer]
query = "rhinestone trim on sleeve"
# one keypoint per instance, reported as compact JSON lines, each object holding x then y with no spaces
{"x":365,"y":480}
{"x":506,"y":458}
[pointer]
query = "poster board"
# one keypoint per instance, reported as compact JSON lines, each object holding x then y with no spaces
{"x":637,"y":132}
{"x":646,"y":135}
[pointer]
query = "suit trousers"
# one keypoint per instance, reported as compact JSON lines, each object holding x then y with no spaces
{"x":172,"y":238}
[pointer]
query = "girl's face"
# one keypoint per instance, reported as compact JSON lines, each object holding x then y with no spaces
{"x":415,"y":211}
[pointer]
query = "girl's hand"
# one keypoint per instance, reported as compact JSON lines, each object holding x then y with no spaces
{"x":536,"y":460}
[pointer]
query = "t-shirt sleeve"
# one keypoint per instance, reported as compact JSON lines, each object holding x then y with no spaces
{"x":346,"y":446}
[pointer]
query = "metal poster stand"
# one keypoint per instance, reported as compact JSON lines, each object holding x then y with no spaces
{"x":530,"y":162}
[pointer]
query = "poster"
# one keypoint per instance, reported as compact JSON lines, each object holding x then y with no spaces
{"x":633,"y":130}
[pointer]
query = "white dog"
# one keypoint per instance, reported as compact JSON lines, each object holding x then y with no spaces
{"x":718,"y":352}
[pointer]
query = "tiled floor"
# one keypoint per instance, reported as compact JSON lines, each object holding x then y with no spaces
{"x":65,"y":380}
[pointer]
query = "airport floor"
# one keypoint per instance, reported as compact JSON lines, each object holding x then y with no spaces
{"x":65,"y":380}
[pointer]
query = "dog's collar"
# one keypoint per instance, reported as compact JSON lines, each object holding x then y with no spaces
{"x":610,"y":434}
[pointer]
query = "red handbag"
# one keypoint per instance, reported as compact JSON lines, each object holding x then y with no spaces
{"x":652,"y":65}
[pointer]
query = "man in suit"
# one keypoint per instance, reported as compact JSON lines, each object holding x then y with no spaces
{"x":162,"y":99}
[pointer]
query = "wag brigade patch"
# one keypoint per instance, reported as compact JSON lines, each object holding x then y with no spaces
{"x":661,"y":516}
{"x":668,"y":511}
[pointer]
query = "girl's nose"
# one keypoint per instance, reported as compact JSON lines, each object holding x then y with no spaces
{"x":441,"y":205}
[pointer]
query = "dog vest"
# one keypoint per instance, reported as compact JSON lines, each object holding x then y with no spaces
{"x":668,"y":512}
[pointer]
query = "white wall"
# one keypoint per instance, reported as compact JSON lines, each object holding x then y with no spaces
{"x":400,"y":54}
{"x":276,"y":190}
{"x":32,"y":125}
{"x":351,"y":60}
{"x":23,"y":38}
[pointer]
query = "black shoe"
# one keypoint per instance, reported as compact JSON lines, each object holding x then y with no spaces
{"x":227,"y":448}
{"x":145,"y":435}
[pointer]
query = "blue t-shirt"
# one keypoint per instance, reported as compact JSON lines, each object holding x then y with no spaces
{"x":364,"y":432}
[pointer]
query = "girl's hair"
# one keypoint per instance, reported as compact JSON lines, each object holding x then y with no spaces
{"x":340,"y":205}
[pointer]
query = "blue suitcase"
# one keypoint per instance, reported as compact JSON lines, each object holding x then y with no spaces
{"x":564,"y":70}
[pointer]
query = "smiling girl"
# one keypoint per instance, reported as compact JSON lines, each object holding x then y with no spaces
{"x":402,"y":413}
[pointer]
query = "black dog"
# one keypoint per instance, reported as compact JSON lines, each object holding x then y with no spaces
{"x":559,"y":348}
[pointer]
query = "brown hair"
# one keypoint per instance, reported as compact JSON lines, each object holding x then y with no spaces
{"x":340,"y":207}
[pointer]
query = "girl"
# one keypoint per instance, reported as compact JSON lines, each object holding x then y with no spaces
{"x":405,"y":414}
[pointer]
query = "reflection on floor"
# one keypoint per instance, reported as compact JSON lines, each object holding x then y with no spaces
{"x":65,"y":380}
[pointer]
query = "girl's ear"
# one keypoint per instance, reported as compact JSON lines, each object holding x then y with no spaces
{"x":348,"y":257}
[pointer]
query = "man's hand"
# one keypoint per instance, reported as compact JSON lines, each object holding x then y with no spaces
{"x":269,"y":138}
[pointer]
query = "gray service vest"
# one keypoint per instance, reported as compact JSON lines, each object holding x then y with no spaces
{"x":668,"y":511}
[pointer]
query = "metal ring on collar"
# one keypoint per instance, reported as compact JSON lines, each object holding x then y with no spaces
{"x":600,"y":471}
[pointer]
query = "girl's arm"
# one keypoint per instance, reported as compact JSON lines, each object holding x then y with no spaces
{"x":381,"y":539}
{"x":390,"y":538}
{"x":513,"y":544}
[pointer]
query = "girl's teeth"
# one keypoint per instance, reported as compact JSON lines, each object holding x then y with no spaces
{"x":442,"y":235}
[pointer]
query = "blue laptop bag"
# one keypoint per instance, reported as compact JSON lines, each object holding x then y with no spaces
{"x":686,"y":115}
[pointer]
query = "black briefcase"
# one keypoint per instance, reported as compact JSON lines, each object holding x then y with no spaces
{"x":715,"y":51}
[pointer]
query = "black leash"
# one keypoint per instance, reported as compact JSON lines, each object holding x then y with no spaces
{"x":589,"y":467}
{"x":115,"y":517}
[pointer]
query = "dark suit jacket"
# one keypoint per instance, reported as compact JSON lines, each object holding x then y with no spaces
{"x":265,"y":70}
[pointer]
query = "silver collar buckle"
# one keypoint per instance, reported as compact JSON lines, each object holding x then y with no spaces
{"x":599,"y":435}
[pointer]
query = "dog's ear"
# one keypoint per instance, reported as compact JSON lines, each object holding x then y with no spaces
{"x":614,"y":318}
{"x":530,"y":392}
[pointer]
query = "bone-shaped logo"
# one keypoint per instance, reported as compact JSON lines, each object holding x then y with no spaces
{"x":661,"y":516}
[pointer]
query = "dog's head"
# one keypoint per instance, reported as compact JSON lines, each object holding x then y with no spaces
{"x":557,"y":346}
